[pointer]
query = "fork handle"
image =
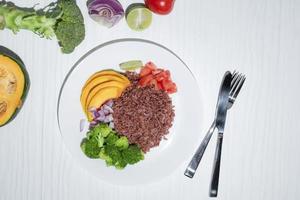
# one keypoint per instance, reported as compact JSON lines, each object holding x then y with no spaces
{"x":213,"y":192}
{"x":193,"y":165}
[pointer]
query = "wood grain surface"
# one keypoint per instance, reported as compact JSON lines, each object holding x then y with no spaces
{"x":260,"y":159}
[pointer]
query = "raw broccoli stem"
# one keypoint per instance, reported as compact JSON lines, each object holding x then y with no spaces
{"x":18,"y":18}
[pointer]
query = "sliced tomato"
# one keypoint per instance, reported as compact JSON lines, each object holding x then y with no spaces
{"x":173,"y":89}
{"x":159,"y":85}
{"x":157,"y":71}
{"x":159,"y":77}
{"x":168,"y":74}
{"x":145,"y":71}
{"x":151,"y":65}
{"x":154,"y":82}
{"x":163,"y":75}
{"x":145,"y":80}
{"x":167,"y":84}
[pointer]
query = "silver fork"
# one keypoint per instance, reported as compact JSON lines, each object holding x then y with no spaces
{"x":236,"y":85}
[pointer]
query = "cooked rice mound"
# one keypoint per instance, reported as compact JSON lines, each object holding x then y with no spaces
{"x":144,"y":115}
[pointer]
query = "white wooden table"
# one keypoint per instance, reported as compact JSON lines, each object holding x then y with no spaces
{"x":260,"y":159}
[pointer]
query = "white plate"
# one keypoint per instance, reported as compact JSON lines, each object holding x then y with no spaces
{"x":160,"y":161}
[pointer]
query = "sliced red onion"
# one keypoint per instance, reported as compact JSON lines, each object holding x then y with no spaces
{"x":109,"y":103}
{"x":101,"y":118}
{"x":101,"y":113}
{"x":109,"y":109}
{"x":105,"y":12}
{"x":95,"y":114}
{"x":106,"y":112}
{"x":109,"y":117}
{"x":82,"y":124}
{"x":93,"y":124}
{"x":112,"y":125}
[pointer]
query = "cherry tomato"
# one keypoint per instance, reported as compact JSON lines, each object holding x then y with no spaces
{"x":162,"y":7}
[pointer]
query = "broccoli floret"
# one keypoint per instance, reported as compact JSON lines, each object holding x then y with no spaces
{"x":113,"y":153}
{"x":62,"y":19}
{"x":101,"y":129}
{"x":92,"y":134}
{"x":103,"y":156}
{"x":111,"y":139}
{"x":122,"y":143}
{"x":90,"y":148}
{"x":99,"y":132}
{"x":120,"y":164}
{"x":132,"y":155}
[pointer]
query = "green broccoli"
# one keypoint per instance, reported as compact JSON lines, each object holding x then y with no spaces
{"x":90,"y":148}
{"x":104,"y":143}
{"x":113,"y":153}
{"x":132,"y":155}
{"x":62,"y":19}
{"x":101,"y":129}
{"x":121,"y":164}
{"x":99,"y":132}
{"x":103,"y":156}
{"x":122,"y":143}
{"x":111,"y":139}
{"x":92,"y":134}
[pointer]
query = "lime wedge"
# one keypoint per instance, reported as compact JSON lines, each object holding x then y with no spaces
{"x":131,"y":65}
{"x":138,"y":17}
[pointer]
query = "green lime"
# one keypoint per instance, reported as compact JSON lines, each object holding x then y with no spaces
{"x":138,"y":17}
{"x":131,"y":65}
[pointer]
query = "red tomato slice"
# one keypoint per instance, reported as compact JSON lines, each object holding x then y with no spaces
{"x":173,"y":89}
{"x":167,"y":84}
{"x":154,"y":82}
{"x":168,"y":74}
{"x":145,"y":80}
{"x":157,"y":71}
{"x":160,"y":87}
{"x":159,"y":77}
{"x":151,"y":65}
{"x":163,"y":75}
{"x":145,"y":71}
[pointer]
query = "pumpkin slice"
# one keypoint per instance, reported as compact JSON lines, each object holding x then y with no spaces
{"x":97,"y":88}
{"x":14,"y":85}
{"x":101,"y":97}
{"x":97,"y":81}
{"x":106,"y":72}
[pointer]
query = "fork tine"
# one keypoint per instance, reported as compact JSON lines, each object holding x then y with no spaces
{"x":234,"y":83}
{"x":234,"y":75}
{"x":240,"y":85}
{"x":234,"y":78}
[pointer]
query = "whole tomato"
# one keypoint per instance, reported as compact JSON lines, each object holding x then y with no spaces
{"x":162,"y":7}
